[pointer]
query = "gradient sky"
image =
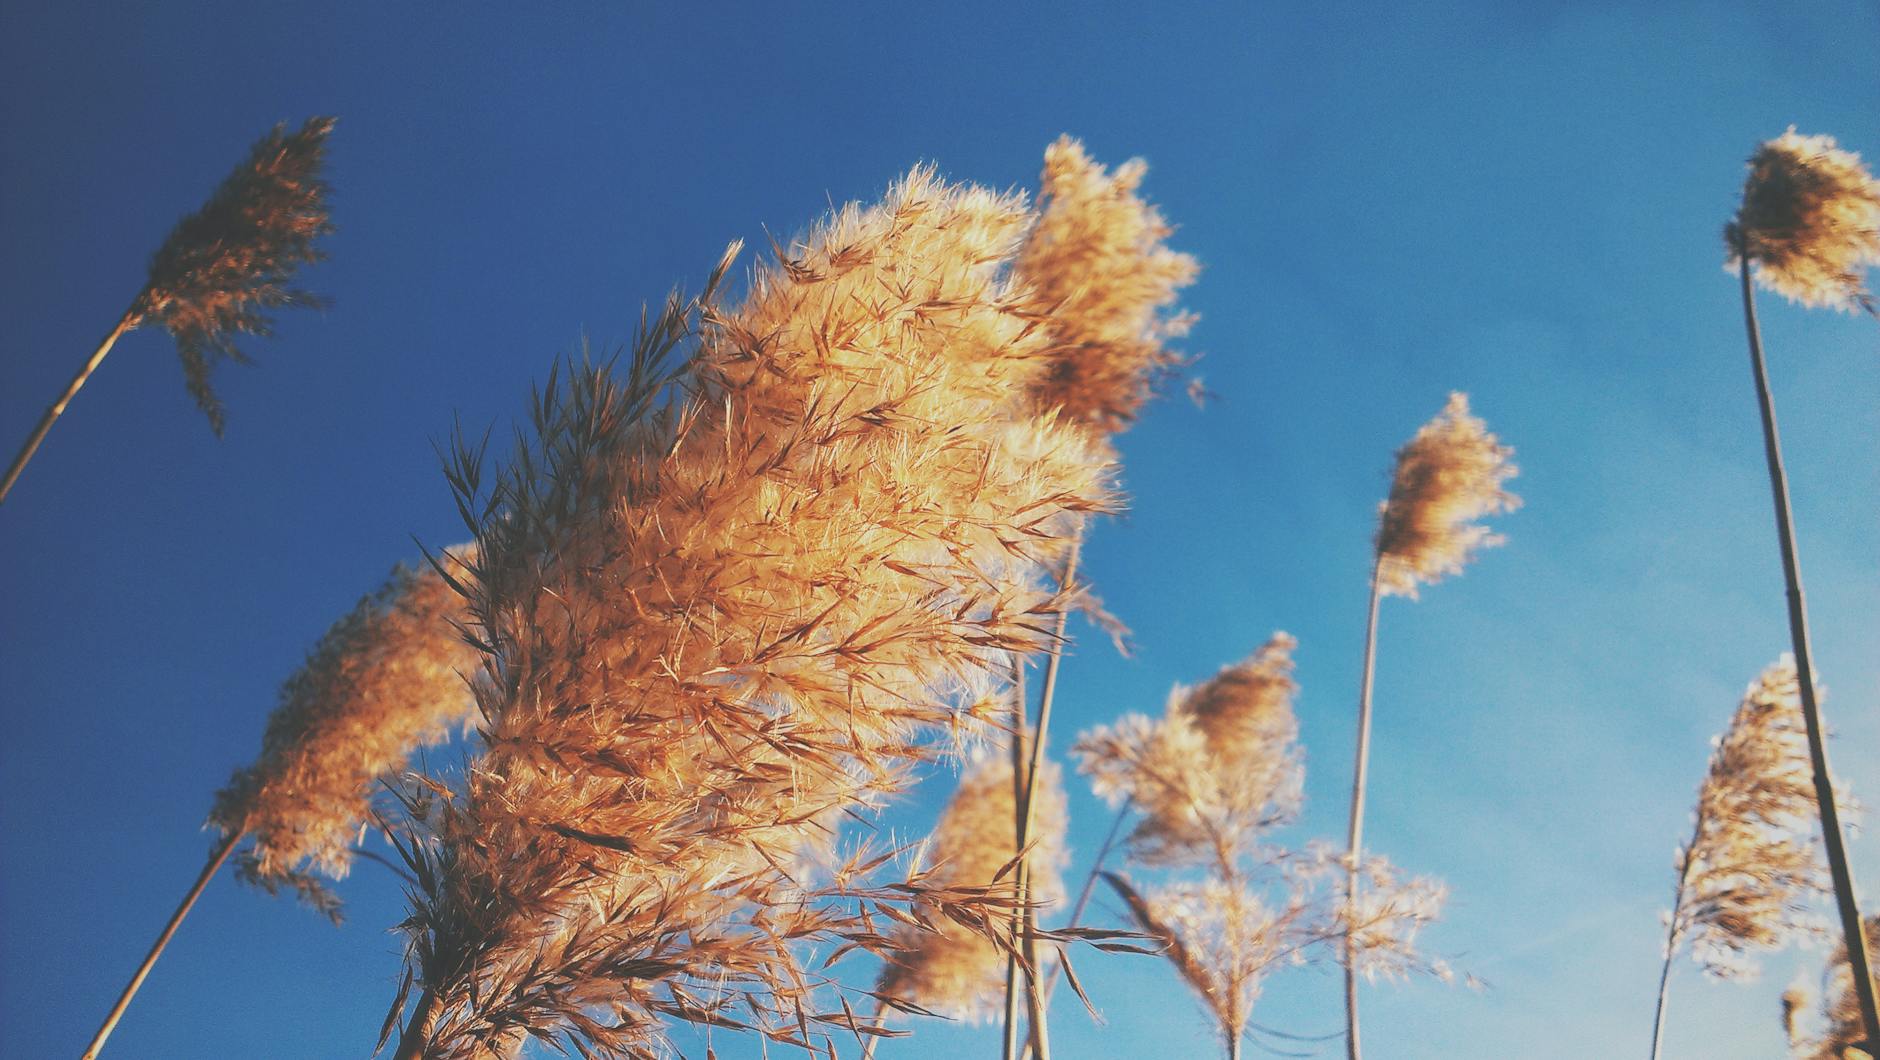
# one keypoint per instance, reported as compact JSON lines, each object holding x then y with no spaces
{"x":1390,"y":202}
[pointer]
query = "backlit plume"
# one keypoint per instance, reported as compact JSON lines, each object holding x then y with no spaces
{"x":386,"y":679}
{"x":721,"y":609}
{"x":1811,"y":222}
{"x":227,"y":264}
{"x":1837,"y":1029}
{"x":1221,"y":765}
{"x":1747,"y":879}
{"x":951,"y":969}
{"x":1447,"y":476}
{"x":1097,"y":268}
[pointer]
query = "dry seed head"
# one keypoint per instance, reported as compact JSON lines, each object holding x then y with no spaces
{"x":1810,"y":220}
{"x":1448,"y":476}
{"x":715,"y":621}
{"x":1839,"y":1019}
{"x":952,"y":969}
{"x":386,"y":679}
{"x":1749,"y":879}
{"x":1222,"y":766}
{"x":227,"y":264}
{"x":1097,"y":266}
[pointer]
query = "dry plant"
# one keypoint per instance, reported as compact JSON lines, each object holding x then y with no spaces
{"x":720,"y":604}
{"x":1808,"y":225}
{"x":1212,"y":778}
{"x":1448,"y":476}
{"x":951,"y":969}
{"x":223,"y":268}
{"x":1839,"y":1033}
{"x":1750,"y":872}
{"x":1099,"y":274}
{"x":386,"y":679}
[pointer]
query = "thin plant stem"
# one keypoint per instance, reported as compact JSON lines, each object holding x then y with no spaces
{"x":216,"y":858}
{"x":1027,"y":810}
{"x":1671,"y":937}
{"x":1083,"y":899}
{"x":1856,"y":939}
{"x":868,"y":1047}
{"x":124,"y":324}
{"x":1020,"y":708}
{"x":1356,"y":840}
{"x":1233,"y":1046}
{"x":418,"y":1029}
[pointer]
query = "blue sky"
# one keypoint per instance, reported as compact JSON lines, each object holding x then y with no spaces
{"x":1390,"y":202}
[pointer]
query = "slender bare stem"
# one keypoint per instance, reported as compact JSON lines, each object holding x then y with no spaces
{"x":1856,"y":938}
{"x":1083,"y":899}
{"x":1020,"y":721}
{"x":1356,"y":841}
{"x":1672,"y":932}
{"x":124,"y":324}
{"x":418,"y":1029}
{"x":868,"y":1047}
{"x":216,"y":858}
{"x":1027,"y":810}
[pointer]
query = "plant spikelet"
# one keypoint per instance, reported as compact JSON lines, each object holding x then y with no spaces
{"x":951,"y":969}
{"x":1746,"y":880}
{"x":1098,"y":268}
{"x":1810,"y":221}
{"x":1447,"y":476}
{"x":725,"y":603}
{"x":1838,"y":1031}
{"x":387,"y":678}
{"x":226,"y":265}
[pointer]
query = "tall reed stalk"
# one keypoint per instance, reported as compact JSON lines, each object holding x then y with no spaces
{"x":1354,"y":841}
{"x":1808,"y":226}
{"x":221,"y":267}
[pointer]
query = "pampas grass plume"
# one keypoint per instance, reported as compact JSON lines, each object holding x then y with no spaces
{"x":1448,"y":476}
{"x":1810,"y":221}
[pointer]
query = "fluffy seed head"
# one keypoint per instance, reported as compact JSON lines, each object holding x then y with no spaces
{"x":1839,"y":1024}
{"x":949,"y":968}
{"x":1447,"y":476}
{"x":1098,"y":269}
{"x":1748,"y":879}
{"x":227,"y":264}
{"x":386,"y":679}
{"x":1810,"y":220}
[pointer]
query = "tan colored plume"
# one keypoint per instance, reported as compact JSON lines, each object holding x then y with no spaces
{"x":1810,"y":221}
{"x":1448,"y":476}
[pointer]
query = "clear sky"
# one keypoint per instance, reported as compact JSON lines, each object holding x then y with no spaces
{"x":1518,"y":200}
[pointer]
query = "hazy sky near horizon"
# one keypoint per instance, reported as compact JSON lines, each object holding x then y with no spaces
{"x":1389,"y":202}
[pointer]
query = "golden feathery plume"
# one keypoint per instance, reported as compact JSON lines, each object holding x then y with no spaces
{"x":1098,"y":268}
{"x":714,"y":620}
{"x":1810,"y":221}
{"x":223,"y":267}
{"x":948,"y":968}
{"x":1748,"y":877}
{"x":390,"y":677}
{"x":1222,"y":766}
{"x":1841,"y":1031}
{"x":1448,"y":476}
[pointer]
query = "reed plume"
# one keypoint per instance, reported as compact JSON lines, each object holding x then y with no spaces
{"x":1842,"y":1025}
{"x":951,"y":969}
{"x":1810,"y":221}
{"x":722,"y":602}
{"x":1448,"y":475}
{"x":1212,"y":779}
{"x":1100,"y":276}
{"x":1807,"y":224}
{"x":386,"y":679}
{"x":1746,"y":878}
{"x":224,"y":268}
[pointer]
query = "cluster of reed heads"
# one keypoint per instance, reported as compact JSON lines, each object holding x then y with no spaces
{"x":757,"y":573}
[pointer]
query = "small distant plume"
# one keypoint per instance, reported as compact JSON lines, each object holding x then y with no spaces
{"x":1751,"y":871}
{"x":1839,"y":1020}
{"x":389,"y":677}
{"x":1810,"y":221}
{"x":1221,"y":765}
{"x":951,"y":969}
{"x":1449,"y":475}
{"x":225,"y":265}
{"x":1100,"y":273}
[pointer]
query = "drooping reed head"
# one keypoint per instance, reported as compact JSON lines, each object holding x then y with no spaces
{"x":1448,"y":476}
{"x":1747,"y":881}
{"x":388,"y":678}
{"x":224,"y":266}
{"x":949,"y":968}
{"x":1220,"y":767}
{"x":1810,"y":221}
{"x":1098,"y":268}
